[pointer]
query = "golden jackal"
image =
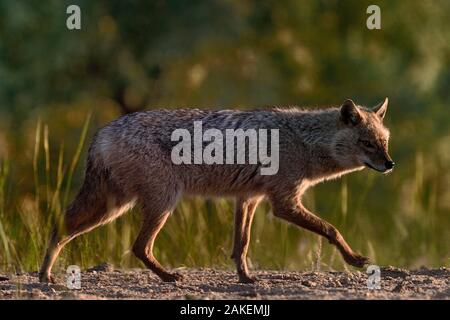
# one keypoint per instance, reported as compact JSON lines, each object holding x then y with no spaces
{"x":129,"y":162}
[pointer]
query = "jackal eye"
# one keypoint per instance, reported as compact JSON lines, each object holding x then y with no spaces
{"x":367,"y":144}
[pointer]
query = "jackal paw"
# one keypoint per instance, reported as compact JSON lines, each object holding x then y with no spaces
{"x":357,"y":260}
{"x":46,"y":278}
{"x":245,"y":278}
{"x":172,"y":277}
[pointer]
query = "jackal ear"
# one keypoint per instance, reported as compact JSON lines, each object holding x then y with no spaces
{"x":350,"y":113}
{"x":381,"y":108}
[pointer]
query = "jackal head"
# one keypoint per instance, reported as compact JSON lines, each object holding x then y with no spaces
{"x":363,"y":139}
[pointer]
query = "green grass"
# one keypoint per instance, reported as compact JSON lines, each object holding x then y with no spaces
{"x":400,"y":219}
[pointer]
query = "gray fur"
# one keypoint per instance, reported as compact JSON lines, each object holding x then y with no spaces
{"x":129,"y":162}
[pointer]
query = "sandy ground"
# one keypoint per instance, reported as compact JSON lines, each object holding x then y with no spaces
{"x":105,"y":282}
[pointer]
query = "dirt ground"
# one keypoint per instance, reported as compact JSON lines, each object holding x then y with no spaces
{"x":105,"y":282}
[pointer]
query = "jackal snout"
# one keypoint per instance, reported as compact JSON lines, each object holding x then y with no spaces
{"x":381,"y":162}
{"x":379,"y":158}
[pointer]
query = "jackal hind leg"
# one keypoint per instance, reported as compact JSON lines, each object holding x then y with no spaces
{"x":82,"y":216}
{"x":55,"y":246}
{"x":243,"y":218}
{"x":153,"y":222}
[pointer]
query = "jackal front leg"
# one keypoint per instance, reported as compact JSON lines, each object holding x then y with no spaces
{"x":294,"y":212}
{"x":243,"y":217}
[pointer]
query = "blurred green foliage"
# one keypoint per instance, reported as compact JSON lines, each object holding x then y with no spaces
{"x":131,"y":55}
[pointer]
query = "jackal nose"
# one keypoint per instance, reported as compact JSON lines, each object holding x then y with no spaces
{"x":389,"y":164}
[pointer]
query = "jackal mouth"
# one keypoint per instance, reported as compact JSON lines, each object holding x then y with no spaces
{"x":376,"y":169}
